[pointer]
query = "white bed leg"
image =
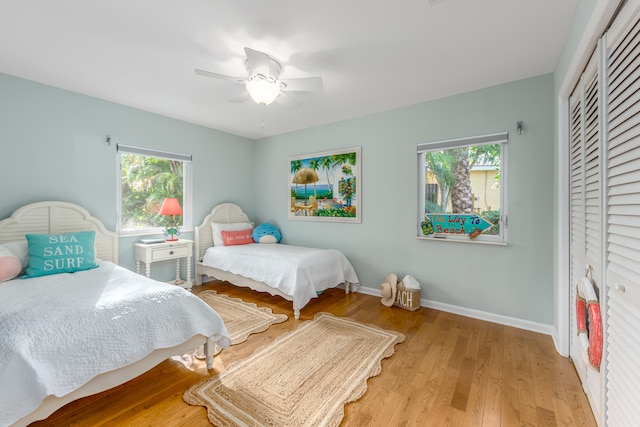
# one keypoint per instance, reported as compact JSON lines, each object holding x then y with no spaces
{"x":198,"y":279}
{"x":296,"y":313}
{"x":346,"y":287}
{"x":209,"y":347}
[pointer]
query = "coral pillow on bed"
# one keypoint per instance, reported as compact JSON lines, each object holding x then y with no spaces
{"x":10,"y":265}
{"x":217,"y":228}
{"x":241,"y":237}
{"x":60,"y":253}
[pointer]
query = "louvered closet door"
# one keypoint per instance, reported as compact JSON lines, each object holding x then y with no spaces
{"x":623,"y":225}
{"x":576,"y":251}
{"x":586,"y":250}
{"x":592,"y":174}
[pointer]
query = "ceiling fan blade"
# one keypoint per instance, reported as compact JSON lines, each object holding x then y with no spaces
{"x":219,"y":76}
{"x":241,"y":98}
{"x":287,"y":101}
{"x":304,"y":84}
{"x":258,"y":62}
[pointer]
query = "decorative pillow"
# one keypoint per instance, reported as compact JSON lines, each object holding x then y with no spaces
{"x":19,"y":249}
{"x":217,"y":228}
{"x":266,"y":233}
{"x":60,"y":253}
{"x":10,"y":265}
{"x":241,"y":237}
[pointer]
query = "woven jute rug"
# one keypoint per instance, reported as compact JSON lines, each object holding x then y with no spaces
{"x":303,"y":378}
{"x":241,"y":318}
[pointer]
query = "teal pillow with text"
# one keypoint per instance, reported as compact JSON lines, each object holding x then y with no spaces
{"x":60,"y":253}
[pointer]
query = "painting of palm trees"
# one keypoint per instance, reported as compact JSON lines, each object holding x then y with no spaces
{"x":325,"y":186}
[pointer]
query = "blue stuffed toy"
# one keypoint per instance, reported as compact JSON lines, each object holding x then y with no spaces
{"x":266,"y":233}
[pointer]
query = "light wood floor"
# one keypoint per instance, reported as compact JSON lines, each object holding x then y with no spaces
{"x":450,"y":371}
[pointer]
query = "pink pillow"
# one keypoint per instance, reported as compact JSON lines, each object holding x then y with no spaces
{"x":240,"y":237}
{"x":10,"y":265}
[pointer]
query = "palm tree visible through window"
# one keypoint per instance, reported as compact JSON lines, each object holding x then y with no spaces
{"x":462,"y":181}
{"x":148,"y":176}
{"x":146,"y":182}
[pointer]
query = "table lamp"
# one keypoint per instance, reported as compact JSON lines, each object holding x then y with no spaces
{"x":171,"y":207}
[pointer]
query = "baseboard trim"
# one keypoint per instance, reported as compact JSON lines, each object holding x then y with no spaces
{"x":480,"y":315}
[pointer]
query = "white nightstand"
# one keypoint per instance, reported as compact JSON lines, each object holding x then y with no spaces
{"x":149,"y":253}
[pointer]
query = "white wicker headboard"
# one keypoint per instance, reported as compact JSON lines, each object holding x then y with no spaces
{"x":224,"y":213}
{"x":58,"y":217}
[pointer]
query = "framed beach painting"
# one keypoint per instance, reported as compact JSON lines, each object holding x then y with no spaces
{"x":326,"y":186}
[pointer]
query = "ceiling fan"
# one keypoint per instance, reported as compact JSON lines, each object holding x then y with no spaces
{"x":263,"y":83}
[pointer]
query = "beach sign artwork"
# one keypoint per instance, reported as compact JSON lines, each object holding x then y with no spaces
{"x":472,"y":225}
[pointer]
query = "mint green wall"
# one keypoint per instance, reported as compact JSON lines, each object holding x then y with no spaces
{"x":54,"y":148}
{"x":581,"y":17}
{"x":514,"y":280}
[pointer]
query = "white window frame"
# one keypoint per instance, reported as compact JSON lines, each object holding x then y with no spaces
{"x":497,"y":138}
{"x":187,"y":199}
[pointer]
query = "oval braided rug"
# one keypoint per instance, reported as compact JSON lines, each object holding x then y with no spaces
{"x":240,"y":317}
{"x":303,"y":378}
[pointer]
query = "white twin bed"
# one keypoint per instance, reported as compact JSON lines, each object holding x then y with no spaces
{"x":70,"y":335}
{"x":295,"y":273}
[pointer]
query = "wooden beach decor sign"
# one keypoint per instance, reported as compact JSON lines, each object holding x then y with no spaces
{"x":457,"y":224}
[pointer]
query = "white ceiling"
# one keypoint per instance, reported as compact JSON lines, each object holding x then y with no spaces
{"x":373,"y":55}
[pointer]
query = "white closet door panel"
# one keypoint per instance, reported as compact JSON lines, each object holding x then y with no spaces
{"x":623,"y":210}
{"x":624,"y":252}
{"x":619,"y":158}
{"x":623,"y":135}
{"x":592,"y":159}
{"x":592,"y":164}
{"x":592,"y":175}
{"x":622,"y":123}
{"x":626,"y":97}
{"x":626,"y":172}
{"x":624,"y":86}
{"x":629,"y":226}
{"x":576,"y":157}
{"x":623,"y":339}
{"x":630,"y":243}
{"x":576,"y":246}
{"x":622,"y":329}
{"x":625,"y":267}
{"x":622,"y":374}
{"x":624,"y":126}
{"x":628,"y":301}
{"x":591,"y":120}
{"x":623,"y":49}
{"x":623,"y":57}
{"x":620,"y":54}
{"x":616,"y":88}
{"x":576,"y":193}
{"x":586,"y":212}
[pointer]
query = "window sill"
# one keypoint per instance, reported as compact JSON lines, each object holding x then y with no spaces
{"x":475,"y":242}
{"x":143,"y":233}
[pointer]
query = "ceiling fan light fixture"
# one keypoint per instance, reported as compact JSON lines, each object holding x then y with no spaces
{"x":263,"y":90}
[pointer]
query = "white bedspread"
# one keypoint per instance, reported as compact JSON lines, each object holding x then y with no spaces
{"x":296,"y":271}
{"x":58,"y":332}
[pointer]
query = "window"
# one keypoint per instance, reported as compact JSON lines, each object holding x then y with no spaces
{"x":146,"y":177}
{"x":461,"y":186}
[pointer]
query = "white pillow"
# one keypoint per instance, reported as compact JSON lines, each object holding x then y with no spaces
{"x":217,"y":228}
